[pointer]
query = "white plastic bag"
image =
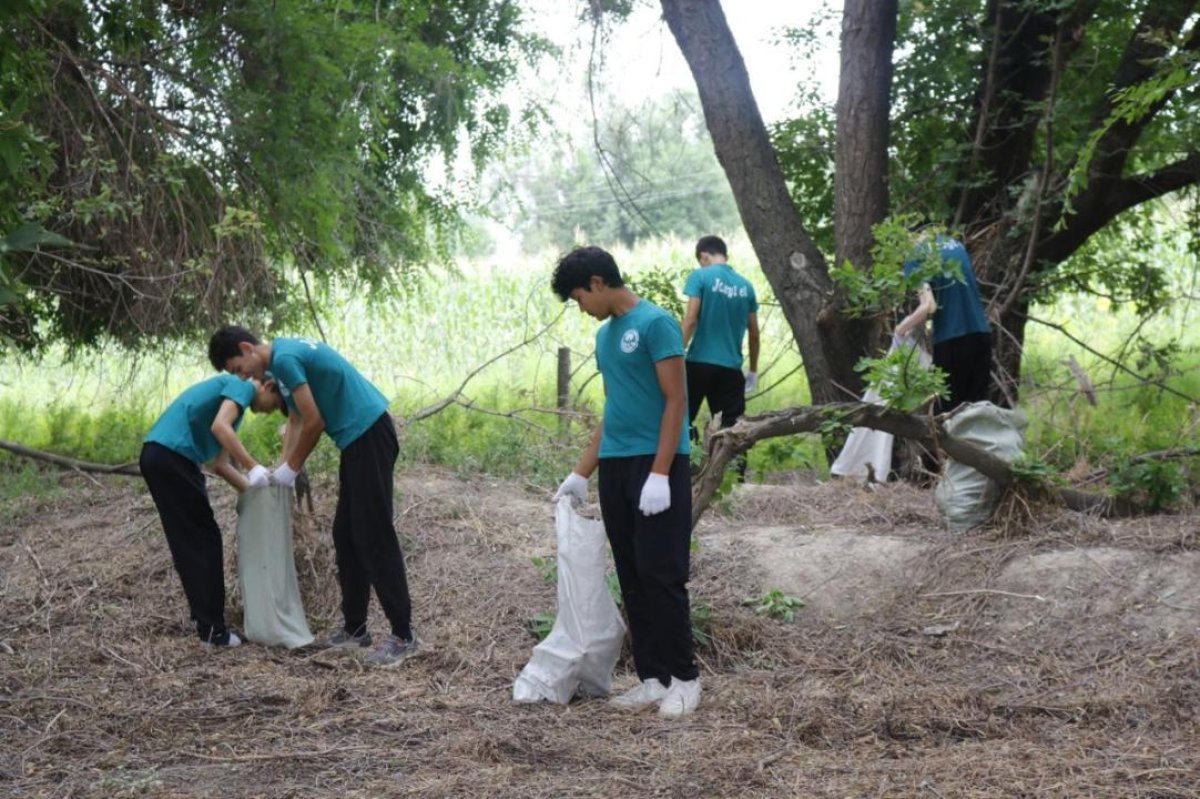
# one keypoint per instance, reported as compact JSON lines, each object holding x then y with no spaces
{"x":274,"y":614}
{"x":965,"y":497}
{"x":578,"y":656}
{"x":868,"y":451}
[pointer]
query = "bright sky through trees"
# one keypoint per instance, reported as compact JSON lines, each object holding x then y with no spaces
{"x":642,"y":59}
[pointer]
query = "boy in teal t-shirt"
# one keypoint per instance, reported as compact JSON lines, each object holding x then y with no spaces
{"x":327,"y":394}
{"x":722,"y":309}
{"x":641,"y":450}
{"x":962,"y":339}
{"x":200,"y":426}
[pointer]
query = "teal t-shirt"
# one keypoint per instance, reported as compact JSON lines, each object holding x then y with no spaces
{"x":627,"y":347}
{"x":726,"y":301}
{"x":185,"y":427}
{"x":348,"y":402}
{"x":960,"y":311}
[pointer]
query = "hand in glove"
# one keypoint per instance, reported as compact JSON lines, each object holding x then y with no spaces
{"x":656,"y":495}
{"x":751,"y":381}
{"x":258,"y":477}
{"x":284,"y":475}
{"x":576,"y":485}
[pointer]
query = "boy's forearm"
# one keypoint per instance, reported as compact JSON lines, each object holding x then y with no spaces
{"x":669,"y":430}
{"x":228,"y":439}
{"x":591,"y":456}
{"x":227,"y":472}
{"x":306,"y":442}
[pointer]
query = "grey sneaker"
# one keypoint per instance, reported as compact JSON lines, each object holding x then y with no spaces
{"x":392,"y":651}
{"x":226,"y":641}
{"x":344,"y":640}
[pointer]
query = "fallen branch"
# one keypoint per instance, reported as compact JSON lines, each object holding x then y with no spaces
{"x":130,"y":469}
{"x":725,"y":445}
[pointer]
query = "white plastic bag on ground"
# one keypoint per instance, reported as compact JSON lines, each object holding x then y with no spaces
{"x":965,"y":497}
{"x":578,"y":656}
{"x":274,"y":614}
{"x":868,"y":451}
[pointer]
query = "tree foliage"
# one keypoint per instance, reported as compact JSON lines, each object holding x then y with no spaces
{"x":196,"y":154}
{"x":1030,"y":127}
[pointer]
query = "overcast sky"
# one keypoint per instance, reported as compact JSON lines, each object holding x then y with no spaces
{"x":642,"y":58}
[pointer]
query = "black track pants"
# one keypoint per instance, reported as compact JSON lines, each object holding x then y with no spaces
{"x":177,"y":487}
{"x":364,"y":535}
{"x":652,"y":558}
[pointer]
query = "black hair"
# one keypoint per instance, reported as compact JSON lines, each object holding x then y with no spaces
{"x":224,"y":345}
{"x":713,"y":245}
{"x":576,"y":269}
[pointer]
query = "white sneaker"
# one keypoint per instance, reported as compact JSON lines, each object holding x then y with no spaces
{"x":682,"y":698}
{"x":649,"y":692}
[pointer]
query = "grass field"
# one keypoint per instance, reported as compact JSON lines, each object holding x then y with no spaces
{"x":419,"y":347}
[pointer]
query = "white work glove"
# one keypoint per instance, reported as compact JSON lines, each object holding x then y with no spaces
{"x":284,"y":475}
{"x":656,"y":495}
{"x":259,"y":476}
{"x":751,"y":381}
{"x":575,"y":485}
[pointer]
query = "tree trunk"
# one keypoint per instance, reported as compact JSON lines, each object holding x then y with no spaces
{"x":795,"y":268}
{"x":863,"y":130}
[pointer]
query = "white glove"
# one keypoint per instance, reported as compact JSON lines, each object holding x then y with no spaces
{"x":751,"y":381}
{"x":259,"y":476}
{"x":284,"y":475}
{"x":576,"y":485}
{"x":656,"y":495}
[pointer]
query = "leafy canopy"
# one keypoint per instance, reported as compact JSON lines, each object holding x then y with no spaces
{"x":195,"y":153}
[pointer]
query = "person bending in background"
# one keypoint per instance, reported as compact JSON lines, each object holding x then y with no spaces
{"x":200,"y":426}
{"x":641,"y":449}
{"x":327,"y":394}
{"x":962,"y":340}
{"x":722,"y":309}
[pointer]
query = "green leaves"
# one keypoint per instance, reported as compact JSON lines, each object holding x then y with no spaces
{"x":775,"y":604}
{"x":203,"y":150}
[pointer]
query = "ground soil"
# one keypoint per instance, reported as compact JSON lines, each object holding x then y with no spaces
{"x":1049,"y":655}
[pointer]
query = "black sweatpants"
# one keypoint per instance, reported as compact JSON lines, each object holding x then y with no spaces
{"x":652,"y":558}
{"x":968,"y":364}
{"x":179,"y":492}
{"x":364,"y":535}
{"x":724,"y":389}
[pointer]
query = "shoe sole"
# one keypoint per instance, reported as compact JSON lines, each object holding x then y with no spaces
{"x":391,"y":664}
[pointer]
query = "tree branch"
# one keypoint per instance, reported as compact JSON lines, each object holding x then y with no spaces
{"x":1105,"y":198}
{"x":725,"y":445}
{"x":70,"y":463}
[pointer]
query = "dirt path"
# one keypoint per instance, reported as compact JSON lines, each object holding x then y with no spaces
{"x":1061,"y":661}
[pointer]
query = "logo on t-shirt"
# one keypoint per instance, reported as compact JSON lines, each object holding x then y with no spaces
{"x":629,"y":341}
{"x":729,"y":291}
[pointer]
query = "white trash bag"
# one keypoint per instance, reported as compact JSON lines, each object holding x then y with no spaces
{"x":868,"y":451}
{"x":274,"y":614}
{"x":578,"y":656}
{"x":965,"y":497}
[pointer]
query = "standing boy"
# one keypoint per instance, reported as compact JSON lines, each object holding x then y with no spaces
{"x":962,"y":339}
{"x":200,"y":427}
{"x":329,"y":395}
{"x":721,"y":309}
{"x":645,"y":494}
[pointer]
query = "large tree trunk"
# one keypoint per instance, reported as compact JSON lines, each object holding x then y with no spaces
{"x":863,"y":128}
{"x":795,"y":268}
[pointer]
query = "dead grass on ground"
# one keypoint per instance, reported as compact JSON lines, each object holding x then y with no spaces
{"x":105,"y":694}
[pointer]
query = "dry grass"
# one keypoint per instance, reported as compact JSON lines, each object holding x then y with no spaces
{"x":106,"y":695}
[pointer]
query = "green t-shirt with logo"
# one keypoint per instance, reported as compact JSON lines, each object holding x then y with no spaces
{"x":627,"y":348}
{"x":185,"y":427}
{"x":726,"y":301}
{"x":348,"y":402}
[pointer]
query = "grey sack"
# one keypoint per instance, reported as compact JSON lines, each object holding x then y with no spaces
{"x":274,"y":614}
